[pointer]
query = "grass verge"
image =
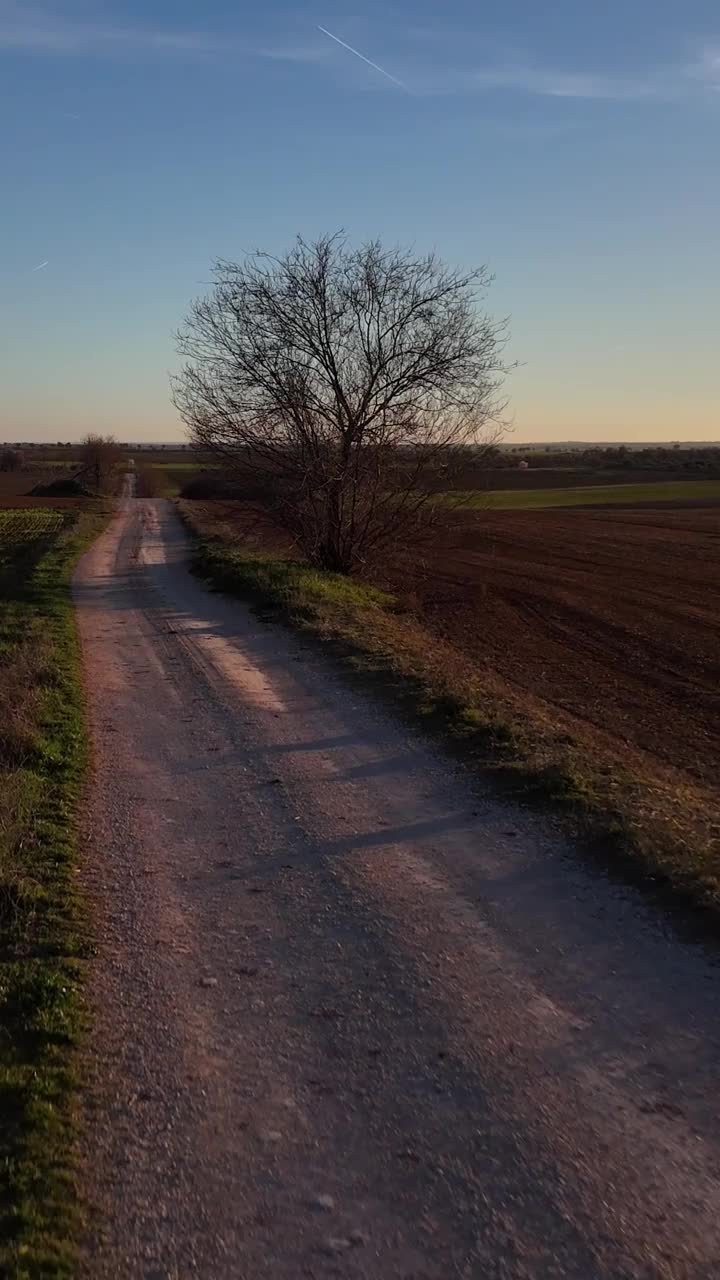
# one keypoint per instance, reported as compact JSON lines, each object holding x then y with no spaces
{"x":43,"y":937}
{"x":653,"y":829}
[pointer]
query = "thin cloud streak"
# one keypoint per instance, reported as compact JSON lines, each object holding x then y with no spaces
{"x":670,"y":82}
{"x":311,"y":53}
{"x":23,"y":27}
{"x":671,"y":85}
{"x":40,"y":266}
{"x":707,"y":68}
{"x":557,"y":84}
{"x":26,"y":28}
{"x":362,"y":57}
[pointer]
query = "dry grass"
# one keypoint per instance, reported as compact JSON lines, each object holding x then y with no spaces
{"x":22,"y":675}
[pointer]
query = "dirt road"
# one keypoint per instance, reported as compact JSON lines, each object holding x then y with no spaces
{"x":353,"y":1019}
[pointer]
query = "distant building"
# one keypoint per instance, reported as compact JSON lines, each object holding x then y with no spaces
{"x":523,"y":465}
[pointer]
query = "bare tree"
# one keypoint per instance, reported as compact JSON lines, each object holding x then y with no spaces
{"x":351,"y":381}
{"x":100,"y":455}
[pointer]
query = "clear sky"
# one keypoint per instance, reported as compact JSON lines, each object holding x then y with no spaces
{"x":572,"y":146}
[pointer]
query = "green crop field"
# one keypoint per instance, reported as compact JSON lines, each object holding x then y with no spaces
{"x":21,"y":529}
{"x":591,"y":495}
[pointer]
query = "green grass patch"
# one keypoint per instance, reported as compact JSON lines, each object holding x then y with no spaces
{"x":589,"y":495}
{"x":43,"y":937}
{"x":304,"y":592}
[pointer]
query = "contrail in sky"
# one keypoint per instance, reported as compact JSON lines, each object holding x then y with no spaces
{"x":350,"y":49}
{"x":40,"y":265}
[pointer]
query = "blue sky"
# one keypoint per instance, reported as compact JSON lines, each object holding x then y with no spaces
{"x":572,"y":147}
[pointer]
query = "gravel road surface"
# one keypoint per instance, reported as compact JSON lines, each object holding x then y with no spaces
{"x":354,"y":1018}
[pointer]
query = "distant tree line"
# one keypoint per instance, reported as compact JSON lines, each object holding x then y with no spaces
{"x":656,"y":458}
{"x":676,"y":457}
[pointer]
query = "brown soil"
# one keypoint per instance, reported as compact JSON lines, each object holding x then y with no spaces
{"x":611,"y":617}
{"x":18,"y":484}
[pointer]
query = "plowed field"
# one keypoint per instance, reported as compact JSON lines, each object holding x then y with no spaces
{"x":612,"y":618}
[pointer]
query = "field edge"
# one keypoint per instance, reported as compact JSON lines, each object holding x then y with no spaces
{"x":620,"y":494}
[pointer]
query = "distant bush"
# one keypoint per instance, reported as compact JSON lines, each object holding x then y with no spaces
{"x":236,"y":486}
{"x":101,"y":458}
{"x":704,"y":458}
{"x":150,"y":482}
{"x":10,"y":460}
{"x":64,"y":487}
{"x":203,"y":486}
